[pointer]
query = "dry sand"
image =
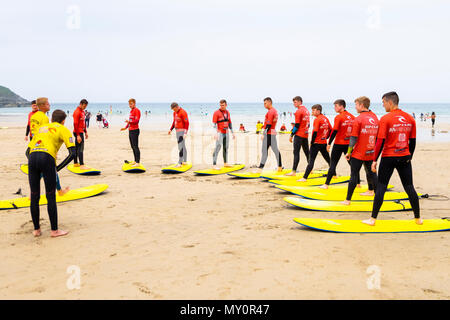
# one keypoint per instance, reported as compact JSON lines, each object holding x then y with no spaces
{"x":155,"y":236}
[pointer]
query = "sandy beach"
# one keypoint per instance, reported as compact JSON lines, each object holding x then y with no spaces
{"x":156,"y":236}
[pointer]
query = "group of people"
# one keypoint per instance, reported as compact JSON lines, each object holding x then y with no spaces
{"x":361,"y":139}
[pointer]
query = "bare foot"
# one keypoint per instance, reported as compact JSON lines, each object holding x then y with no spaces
{"x":301,"y":180}
{"x":83,"y":167}
{"x":346,"y":203}
{"x":280,"y":169}
{"x":178,"y":165}
{"x":136,"y":164}
{"x":257,"y":171}
{"x":226,"y":165}
{"x":367,"y":193}
{"x":291,"y":174}
{"x":63,"y":191}
{"x":370,"y":222}
{"x":324,"y":186}
{"x":76,"y":165}
{"x":419,"y":221}
{"x":216,"y":168}
{"x":358,"y":186}
{"x":58,"y":233}
{"x":37,"y":233}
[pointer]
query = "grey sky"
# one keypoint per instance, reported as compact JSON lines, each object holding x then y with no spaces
{"x":204,"y":50}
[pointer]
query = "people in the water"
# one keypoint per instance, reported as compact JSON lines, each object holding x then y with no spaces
{"x":396,"y":142}
{"x":223,"y":125}
{"x":133,"y":131}
{"x":361,"y":148}
{"x":321,"y":133}
{"x":44,"y":147}
{"x":80,"y":133}
{"x":181,"y":125}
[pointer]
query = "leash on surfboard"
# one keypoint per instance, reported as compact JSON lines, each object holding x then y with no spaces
{"x":435,"y":197}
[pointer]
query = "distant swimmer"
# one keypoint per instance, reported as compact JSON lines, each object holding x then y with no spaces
{"x":259,"y":127}
{"x":181,"y":125}
{"x":34,"y":109}
{"x":362,"y":147}
{"x":396,"y":143}
{"x":133,"y":131}
{"x":321,"y":133}
{"x":80,"y":132}
{"x":222,"y":122}
{"x":270,"y":135}
{"x":42,"y":163}
{"x":299,"y":134}
{"x":342,"y":129}
{"x":433,"y":119}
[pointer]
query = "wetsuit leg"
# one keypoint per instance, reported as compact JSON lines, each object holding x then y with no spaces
{"x":325,"y":154}
{"x":79,"y":149}
{"x":370,"y":176}
{"x":34,"y":179}
{"x":217,"y":149}
{"x":27,"y":153}
{"x":355,"y":167}
{"x":312,"y":158}
{"x":226,"y":142}
{"x":265,"y":150}
{"x":275,"y":149}
{"x":134,"y":142}
{"x":305,"y":147}
{"x":182,"y":152}
{"x":297,"y":146}
{"x":387,"y":165}
{"x":404,"y":170}
{"x":336,"y":153}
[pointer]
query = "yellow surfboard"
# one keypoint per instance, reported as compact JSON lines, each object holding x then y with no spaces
{"x":127,"y":167}
{"x":173,"y":169}
{"x":342,"y":186}
{"x":381,"y":226}
{"x":273,"y":175}
{"x":284,"y":132}
{"x":310,"y":182}
{"x":74,"y":194}
{"x":207,"y":172}
{"x":24,"y":168}
{"x":87,"y":172}
{"x":337,"y":206}
{"x":252,"y":175}
{"x":341,"y":194}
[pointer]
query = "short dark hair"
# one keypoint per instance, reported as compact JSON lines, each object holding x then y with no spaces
{"x":33,"y":102}
{"x":84,"y":101}
{"x":317,"y":107}
{"x":298,"y":98}
{"x":340,"y":102}
{"x":223,"y":101}
{"x":392,"y":96}
{"x":58,"y":116}
{"x":173,"y":105}
{"x":268,"y":99}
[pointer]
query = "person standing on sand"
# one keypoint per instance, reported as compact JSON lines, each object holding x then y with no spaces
{"x":87,"y":119}
{"x":222,"y":122}
{"x":42,"y":163}
{"x":433,"y":119}
{"x":133,"y":131}
{"x":181,"y":125}
{"x":396,"y":142}
{"x":34,"y":109}
{"x":320,"y":135}
{"x":299,"y":133}
{"x":80,"y":132}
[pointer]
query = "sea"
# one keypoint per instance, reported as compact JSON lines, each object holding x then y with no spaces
{"x":158,"y":115}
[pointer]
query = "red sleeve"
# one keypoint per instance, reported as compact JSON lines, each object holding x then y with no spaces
{"x":270,"y":117}
{"x":76,"y":121}
{"x":316,"y":125}
{"x":337,"y":122}
{"x":215,"y":117}
{"x":356,"y":127}
{"x":229,"y":117}
{"x":413,"y":129}
{"x":137,"y":116}
{"x":186,"y":121}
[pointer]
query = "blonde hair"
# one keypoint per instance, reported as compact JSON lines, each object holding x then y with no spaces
{"x":41,"y":101}
{"x":364,"y":101}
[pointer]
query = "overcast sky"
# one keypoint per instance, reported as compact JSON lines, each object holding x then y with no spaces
{"x":204,"y":50}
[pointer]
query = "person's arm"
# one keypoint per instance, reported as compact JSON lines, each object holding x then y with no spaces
{"x":68,"y":159}
{"x":378,"y":148}
{"x":186,"y":124}
{"x":314,"y":136}
{"x":267,"y":129}
{"x":333,"y":135}
{"x":352,"y":144}
{"x":76,"y":123}
{"x":295,"y":129}
{"x":412,"y":146}
{"x":27,"y":131}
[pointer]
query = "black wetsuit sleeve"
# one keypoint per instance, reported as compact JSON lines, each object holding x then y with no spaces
{"x":28,"y":130}
{"x":378,"y":148}
{"x":412,"y":146}
{"x":333,"y":135}
{"x":314,"y":135}
{"x":67,"y":160}
{"x":295,"y":129}
{"x":268,"y":127}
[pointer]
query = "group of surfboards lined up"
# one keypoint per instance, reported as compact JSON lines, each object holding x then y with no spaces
{"x":361,"y":139}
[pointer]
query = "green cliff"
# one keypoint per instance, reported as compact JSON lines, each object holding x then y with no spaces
{"x":9,"y":99}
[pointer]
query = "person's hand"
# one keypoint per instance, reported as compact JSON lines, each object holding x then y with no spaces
{"x":78,"y":139}
{"x":262,"y":137}
{"x":184,"y":136}
{"x":291,"y":139}
{"x":374,"y":166}
{"x":328,"y":149}
{"x":216,"y":136}
{"x":347,"y":156}
{"x":127,"y":122}
{"x":122,"y":129}
{"x":26,"y":138}
{"x":169,"y":132}
{"x":234,"y":137}
{"x":87,"y":135}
